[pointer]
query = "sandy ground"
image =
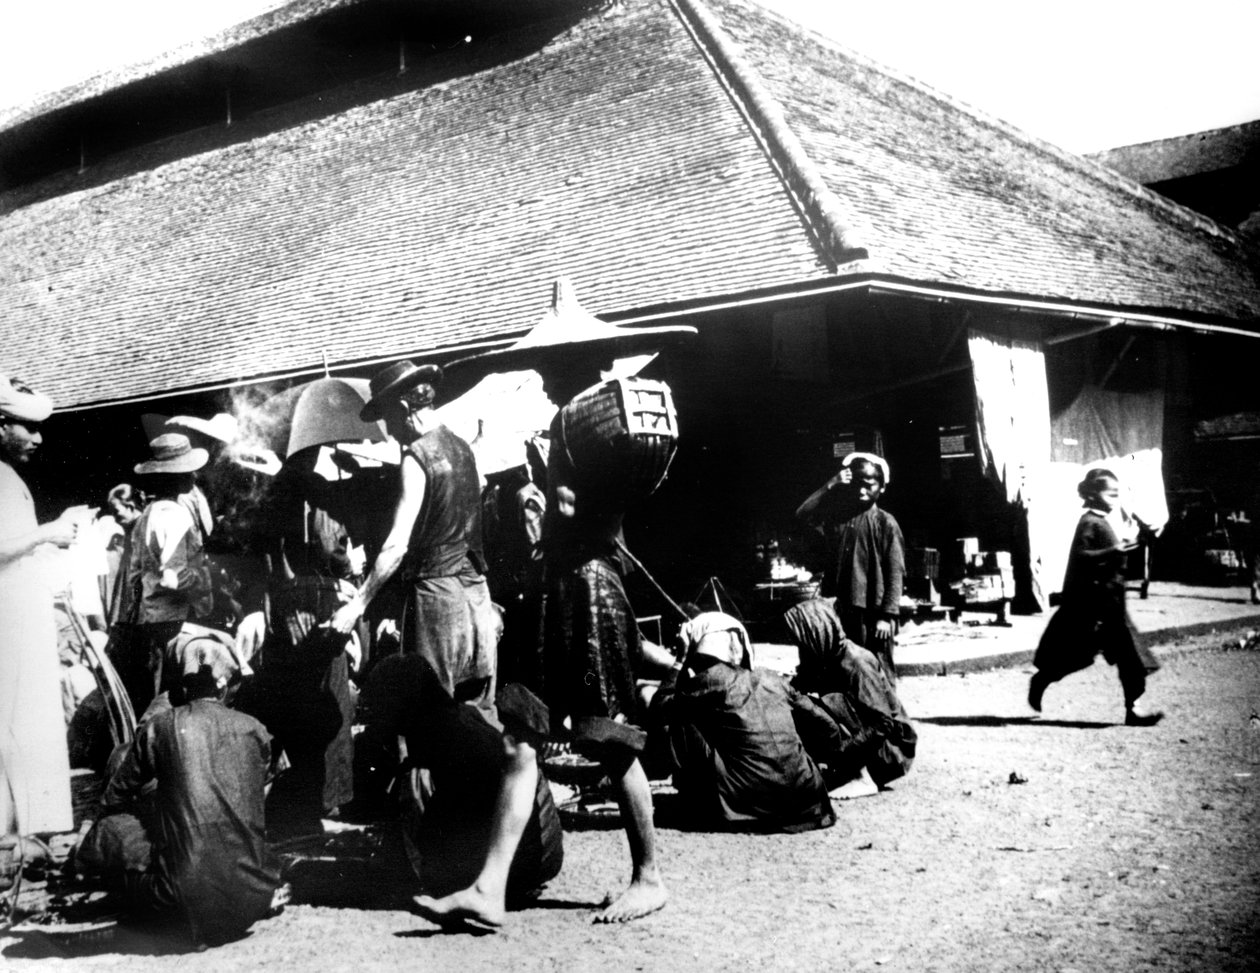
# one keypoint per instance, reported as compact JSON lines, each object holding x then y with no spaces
{"x":1067,"y":842}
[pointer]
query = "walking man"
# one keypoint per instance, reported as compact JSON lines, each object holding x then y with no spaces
{"x":435,"y":540}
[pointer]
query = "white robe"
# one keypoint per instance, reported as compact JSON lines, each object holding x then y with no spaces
{"x":33,"y":749}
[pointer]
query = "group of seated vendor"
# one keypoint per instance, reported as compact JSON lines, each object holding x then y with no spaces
{"x":748,"y":748}
{"x":182,"y":833}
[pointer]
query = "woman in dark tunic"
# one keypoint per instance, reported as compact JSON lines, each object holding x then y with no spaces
{"x":1092,"y":617}
{"x":851,"y":683}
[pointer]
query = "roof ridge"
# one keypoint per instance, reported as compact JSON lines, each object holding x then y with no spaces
{"x":1082,"y":163}
{"x":144,"y":67}
{"x":822,"y":209}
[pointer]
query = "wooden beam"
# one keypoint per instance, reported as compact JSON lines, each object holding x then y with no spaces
{"x":1111,"y":369}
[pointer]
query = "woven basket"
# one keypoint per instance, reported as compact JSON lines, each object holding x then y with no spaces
{"x":620,"y":438}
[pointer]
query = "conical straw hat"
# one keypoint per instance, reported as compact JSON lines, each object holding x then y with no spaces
{"x":568,"y":328}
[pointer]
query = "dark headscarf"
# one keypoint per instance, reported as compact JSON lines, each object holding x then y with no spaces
{"x":851,"y":684}
{"x":814,"y":628}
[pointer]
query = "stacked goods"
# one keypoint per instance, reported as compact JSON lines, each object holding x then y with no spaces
{"x":985,"y":588}
{"x":987,"y":575}
{"x":997,"y":564}
{"x":1220,"y":553}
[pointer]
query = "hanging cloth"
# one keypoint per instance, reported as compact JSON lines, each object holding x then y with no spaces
{"x":1013,"y":429}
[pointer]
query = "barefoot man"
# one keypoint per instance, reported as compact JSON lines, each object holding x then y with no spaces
{"x":434,"y":539}
{"x":584,"y":670}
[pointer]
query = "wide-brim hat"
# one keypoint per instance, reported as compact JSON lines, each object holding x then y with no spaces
{"x":221,"y":427}
{"x":395,"y":380}
{"x":173,"y":453}
{"x":568,"y":329}
{"x":23,"y":406}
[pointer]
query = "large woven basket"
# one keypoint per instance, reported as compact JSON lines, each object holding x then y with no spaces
{"x":620,"y":438}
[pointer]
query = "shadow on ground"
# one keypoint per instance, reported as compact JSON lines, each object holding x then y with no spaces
{"x":1033,"y":721}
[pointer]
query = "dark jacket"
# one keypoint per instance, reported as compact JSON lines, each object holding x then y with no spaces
{"x":870,"y":564}
{"x":730,"y":736}
{"x":209,"y":854}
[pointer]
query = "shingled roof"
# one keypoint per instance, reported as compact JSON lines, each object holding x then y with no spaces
{"x":657,"y":153}
{"x":946,"y":194}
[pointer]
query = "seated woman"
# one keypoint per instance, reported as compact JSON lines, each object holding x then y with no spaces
{"x":849,"y":682}
{"x":734,"y":737}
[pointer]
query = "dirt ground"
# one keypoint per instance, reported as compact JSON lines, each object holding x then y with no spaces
{"x":1065,"y":842}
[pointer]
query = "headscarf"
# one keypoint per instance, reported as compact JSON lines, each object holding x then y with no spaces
{"x":814,"y":627}
{"x":719,"y":636}
{"x":207,"y":656}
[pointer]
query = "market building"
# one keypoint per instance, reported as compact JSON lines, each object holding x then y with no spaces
{"x":870,"y":263}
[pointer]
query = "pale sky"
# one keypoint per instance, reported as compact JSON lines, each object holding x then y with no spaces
{"x":1084,"y":74}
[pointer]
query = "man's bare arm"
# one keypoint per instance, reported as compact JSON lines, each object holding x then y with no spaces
{"x":391,"y":555}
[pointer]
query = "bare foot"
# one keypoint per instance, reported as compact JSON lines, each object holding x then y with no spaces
{"x":470,"y":907}
{"x":641,"y":898}
{"x":859,"y":786}
{"x":281,"y":897}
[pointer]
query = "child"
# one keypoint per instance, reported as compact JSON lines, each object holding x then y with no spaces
{"x":866,"y":577}
{"x":1092,"y":617}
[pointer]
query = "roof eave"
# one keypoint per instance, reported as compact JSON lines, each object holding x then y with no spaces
{"x":861,"y":278}
{"x":856,"y":281}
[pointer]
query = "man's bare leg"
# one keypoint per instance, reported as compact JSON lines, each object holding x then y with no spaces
{"x":646,"y":892}
{"x":483,"y":904}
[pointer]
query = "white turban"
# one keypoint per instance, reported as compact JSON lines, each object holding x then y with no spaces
{"x":870,"y":458}
{"x":23,"y":406}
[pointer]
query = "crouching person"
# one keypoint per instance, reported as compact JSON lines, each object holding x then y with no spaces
{"x":180,"y":832}
{"x":734,"y":737}
{"x":487,"y":833}
{"x":877,"y":742}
